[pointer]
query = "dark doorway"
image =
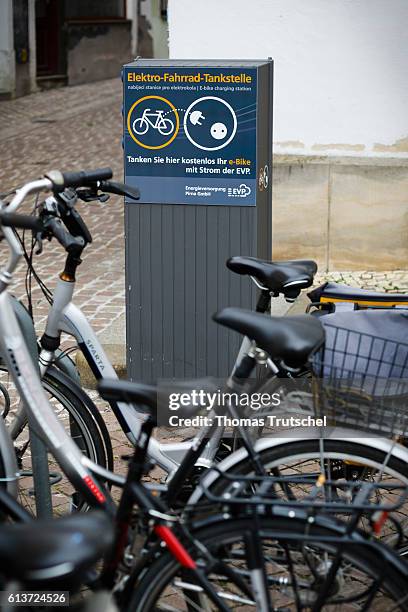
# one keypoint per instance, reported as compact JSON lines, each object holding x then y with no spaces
{"x":49,"y":33}
{"x":21,"y":47}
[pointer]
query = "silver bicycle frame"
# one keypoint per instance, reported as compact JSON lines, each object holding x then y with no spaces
{"x":26,"y":377}
{"x":64,"y":316}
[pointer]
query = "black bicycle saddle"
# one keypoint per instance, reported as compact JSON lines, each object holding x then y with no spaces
{"x":290,"y":339}
{"x":153,"y":397}
{"x":287,"y":277}
{"x":128,"y":392}
{"x":54,"y":551}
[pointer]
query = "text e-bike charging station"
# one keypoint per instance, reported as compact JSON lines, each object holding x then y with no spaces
{"x":198,"y":145}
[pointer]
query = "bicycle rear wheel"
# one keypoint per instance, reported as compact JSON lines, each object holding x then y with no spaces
{"x":82,"y":423}
{"x":348,"y":460}
{"x":297,"y":558}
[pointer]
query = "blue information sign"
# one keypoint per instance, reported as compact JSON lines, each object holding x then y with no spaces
{"x":190,"y":134}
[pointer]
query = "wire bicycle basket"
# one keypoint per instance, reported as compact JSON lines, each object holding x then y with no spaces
{"x":360,"y":381}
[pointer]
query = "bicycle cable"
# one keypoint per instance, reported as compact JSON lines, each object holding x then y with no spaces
{"x":28,"y":254}
{"x":66,"y":352}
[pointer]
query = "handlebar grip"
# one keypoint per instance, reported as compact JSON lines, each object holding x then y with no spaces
{"x":61,"y":180}
{"x":84,"y":177}
{"x":21,"y":221}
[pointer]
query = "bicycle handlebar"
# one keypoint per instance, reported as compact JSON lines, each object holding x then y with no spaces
{"x":54,"y":225}
{"x":55,"y":181}
{"x":61,"y":180}
{"x":21,"y":221}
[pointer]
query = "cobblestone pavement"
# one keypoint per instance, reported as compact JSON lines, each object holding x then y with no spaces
{"x":71,"y":128}
{"x":81,"y":127}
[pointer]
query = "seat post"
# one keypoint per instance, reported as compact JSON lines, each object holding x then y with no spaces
{"x":264,"y":301}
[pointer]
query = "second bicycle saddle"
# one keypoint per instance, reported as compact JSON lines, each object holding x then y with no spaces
{"x":291,"y":339}
{"x":287,"y":277}
{"x":154,"y":396}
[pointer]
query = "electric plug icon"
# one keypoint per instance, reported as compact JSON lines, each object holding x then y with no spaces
{"x":196,"y":117}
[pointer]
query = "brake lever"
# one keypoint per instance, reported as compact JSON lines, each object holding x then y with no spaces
{"x":39,"y":241}
{"x":120,"y":189}
{"x":91,"y":194}
{"x":46,"y":209}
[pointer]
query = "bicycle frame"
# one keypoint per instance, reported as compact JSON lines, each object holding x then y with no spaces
{"x":158,"y":115}
{"x":26,"y":378}
{"x":69,"y":457}
{"x":177,"y":458}
{"x":76,"y":467}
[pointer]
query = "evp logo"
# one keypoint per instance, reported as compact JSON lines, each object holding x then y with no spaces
{"x":242,"y":191}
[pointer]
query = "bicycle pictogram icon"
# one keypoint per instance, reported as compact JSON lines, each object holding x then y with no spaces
{"x":155,"y":120}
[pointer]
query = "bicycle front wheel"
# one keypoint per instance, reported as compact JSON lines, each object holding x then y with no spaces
{"x":84,"y":425}
{"x":297,"y":558}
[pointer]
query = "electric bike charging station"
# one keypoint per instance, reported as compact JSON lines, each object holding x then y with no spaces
{"x":198,"y":144}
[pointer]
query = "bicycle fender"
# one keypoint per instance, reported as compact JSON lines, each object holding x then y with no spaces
{"x":67,"y":366}
{"x":75,"y":388}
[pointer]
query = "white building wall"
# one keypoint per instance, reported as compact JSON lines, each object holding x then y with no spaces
{"x":341,"y":73}
{"x":7,"y":72}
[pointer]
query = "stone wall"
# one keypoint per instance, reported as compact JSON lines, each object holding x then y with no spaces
{"x":97,"y":50}
{"x":348,"y":213}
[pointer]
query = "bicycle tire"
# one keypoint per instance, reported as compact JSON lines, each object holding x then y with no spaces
{"x":69,"y":386}
{"x":373,"y":561}
{"x":84,"y":422}
{"x":355,"y":452}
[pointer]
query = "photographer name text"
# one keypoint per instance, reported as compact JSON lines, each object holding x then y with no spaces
{"x":256,"y":421}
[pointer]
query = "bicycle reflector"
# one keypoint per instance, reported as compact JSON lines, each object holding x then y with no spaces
{"x":95,"y":490}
